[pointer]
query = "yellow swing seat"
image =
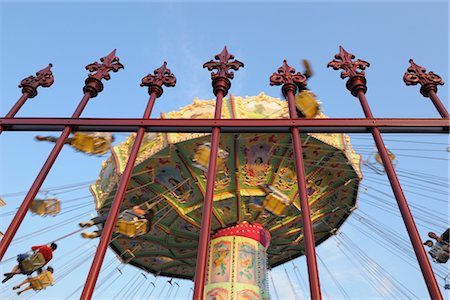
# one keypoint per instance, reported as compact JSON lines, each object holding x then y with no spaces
{"x":391,"y":156}
{"x":131,"y":228}
{"x":32,"y":263}
{"x":275,"y":202}
{"x":92,"y":143}
{"x":307,"y":103}
{"x":46,"y":207}
{"x":41,"y":281}
{"x":201,"y":157}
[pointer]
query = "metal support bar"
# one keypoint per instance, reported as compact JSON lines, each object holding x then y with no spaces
{"x":16,"y":107}
{"x":438,"y":104}
{"x":105,"y":238}
{"x":408,"y":219}
{"x":162,"y":76}
{"x":342,"y":125}
{"x":203,"y":246}
{"x":308,"y":233}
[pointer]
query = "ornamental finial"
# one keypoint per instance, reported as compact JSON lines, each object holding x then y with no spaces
{"x":350,"y":67}
{"x":162,"y":76}
{"x":416,"y":74}
{"x":43,"y":78}
{"x":108,"y":63}
{"x":224,"y":65}
{"x":288,"y":78}
{"x":343,"y":60}
{"x":221,"y":78}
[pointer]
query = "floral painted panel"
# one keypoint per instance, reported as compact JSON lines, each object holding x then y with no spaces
{"x":217,"y":294}
{"x":246,"y":263}
{"x":247,"y":295}
{"x":221,"y":262}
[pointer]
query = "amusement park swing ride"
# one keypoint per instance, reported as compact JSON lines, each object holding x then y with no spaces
{"x":235,"y":186}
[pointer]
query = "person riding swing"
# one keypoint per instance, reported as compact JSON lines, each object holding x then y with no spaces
{"x":440,"y":249}
{"x":133,"y":222}
{"x":37,"y":283}
{"x":31,"y":261}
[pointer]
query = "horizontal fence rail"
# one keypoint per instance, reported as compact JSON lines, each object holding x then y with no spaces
{"x":335,"y":125}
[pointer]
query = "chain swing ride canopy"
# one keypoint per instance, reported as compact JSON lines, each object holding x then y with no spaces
{"x":165,"y":172}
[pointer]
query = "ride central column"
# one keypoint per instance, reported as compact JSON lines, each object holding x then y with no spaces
{"x":237,"y":264}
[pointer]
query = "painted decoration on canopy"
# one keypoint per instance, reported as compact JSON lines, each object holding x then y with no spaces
{"x":258,"y":151}
{"x":166,"y":175}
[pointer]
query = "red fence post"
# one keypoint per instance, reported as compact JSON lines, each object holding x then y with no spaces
{"x":356,"y":84}
{"x":29,"y":87}
{"x":91,"y":89}
{"x":162,"y":76}
{"x":290,"y":80}
{"x":221,"y":84}
{"x":429,"y":81}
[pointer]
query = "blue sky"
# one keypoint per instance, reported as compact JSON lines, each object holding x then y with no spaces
{"x":187,"y":34}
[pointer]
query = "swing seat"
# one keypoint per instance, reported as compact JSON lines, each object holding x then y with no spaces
{"x":41,"y":281}
{"x":391,"y":156}
{"x":275,"y":202}
{"x":131,"y":228}
{"x":92,"y":143}
{"x":46,"y":207}
{"x":32,"y":263}
{"x":442,"y":259}
{"x":307,"y":104}
{"x":201,"y":157}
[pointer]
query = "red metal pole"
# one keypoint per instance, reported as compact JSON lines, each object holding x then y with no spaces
{"x":356,"y":84}
{"x":18,"y":105}
{"x":203,"y":245}
{"x":438,"y":104}
{"x":424,"y":263}
{"x":221,"y":84}
{"x":20,"y":215}
{"x":308,"y":233}
{"x":155,"y":91}
{"x":16,"y":108}
{"x":91,"y":280}
{"x":289,"y":80}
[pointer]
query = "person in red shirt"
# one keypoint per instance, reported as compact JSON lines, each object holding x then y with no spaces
{"x":45,"y":250}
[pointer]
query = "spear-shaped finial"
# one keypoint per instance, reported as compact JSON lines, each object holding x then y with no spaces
{"x":43,"y":78}
{"x":108,"y":63}
{"x":162,"y":76}
{"x":221,"y":78}
{"x":287,"y":77}
{"x":357,"y":80}
{"x":416,"y":74}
